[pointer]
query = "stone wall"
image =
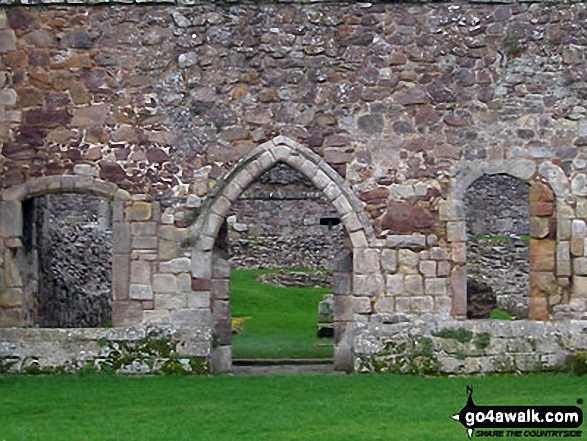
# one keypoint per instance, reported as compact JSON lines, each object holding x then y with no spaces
{"x":276,"y":224}
{"x":390,"y":110}
{"x":498,"y":206}
{"x":74,"y":259}
{"x":498,"y":212}
{"x":426,"y":345}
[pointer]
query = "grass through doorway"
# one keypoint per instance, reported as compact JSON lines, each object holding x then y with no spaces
{"x":276,"y":322}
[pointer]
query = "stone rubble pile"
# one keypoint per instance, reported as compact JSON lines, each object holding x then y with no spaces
{"x":75,"y":276}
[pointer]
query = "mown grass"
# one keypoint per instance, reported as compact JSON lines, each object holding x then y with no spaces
{"x":281,"y":322}
{"x":325,"y":408}
{"x":499,"y":314}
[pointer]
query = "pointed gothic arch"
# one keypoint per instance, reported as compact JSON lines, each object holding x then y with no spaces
{"x":210,"y":268}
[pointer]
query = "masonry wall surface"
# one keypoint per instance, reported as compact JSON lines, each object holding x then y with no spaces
{"x":391,"y":110}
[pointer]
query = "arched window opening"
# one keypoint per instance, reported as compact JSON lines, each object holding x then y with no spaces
{"x":498,"y":228}
{"x":67,"y":243}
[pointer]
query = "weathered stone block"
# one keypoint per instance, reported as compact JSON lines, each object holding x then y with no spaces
{"x":436,"y":287}
{"x":144,"y":243}
{"x":563,"y":230}
{"x":93,"y":115}
{"x":420,"y":305}
{"x":442,"y":269}
{"x":458,"y":284}
{"x":542,"y":254}
{"x":542,"y":209}
{"x":144,"y":228}
{"x":126,"y":313}
{"x":342,"y":205}
{"x":403,"y":218}
{"x":10,"y":219}
{"x":395,"y":284}
{"x":368,"y":285}
{"x":221,"y":266}
{"x":184,"y":282}
{"x":579,"y":286}
{"x":139,"y":211}
{"x":581,"y":209}
{"x":459,"y":252}
{"x":120,"y":276}
{"x":140,"y":272}
{"x":11,"y":318}
{"x":7,"y":40}
{"x":198,"y":300}
{"x":361,"y":305}
{"x":389,"y":260}
{"x":411,"y":241}
{"x":437,"y":253}
{"x":341,"y":283}
{"x":385,"y":305}
{"x":164,"y":283}
{"x":402,"y":305}
{"x":7,"y":97}
{"x":220,"y":289}
{"x":171,"y":301}
{"x":11,"y":298}
{"x":199,"y":284}
{"x":539,"y":227}
{"x":342,"y":308}
{"x":408,"y":261}
{"x":580,"y":266}
{"x":358,"y":239}
{"x":578,"y":228}
{"x":451,"y":211}
{"x":577,"y":247}
{"x":168,"y":250}
{"x":140,"y":292}
{"x":179,"y":265}
{"x":428,"y":268}
{"x":563,"y":259}
{"x":343,"y":262}
{"x":414,"y":284}
{"x":351,"y":222}
{"x":456,"y":231}
{"x":202,"y":264}
{"x":366,"y":261}
{"x":542,"y":286}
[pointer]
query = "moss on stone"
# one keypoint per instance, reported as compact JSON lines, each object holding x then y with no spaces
{"x":483,"y":340}
{"x":461,"y":334}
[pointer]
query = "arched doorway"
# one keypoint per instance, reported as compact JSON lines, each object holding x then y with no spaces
{"x":210,"y":266}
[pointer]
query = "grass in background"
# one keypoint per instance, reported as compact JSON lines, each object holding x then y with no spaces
{"x":500,"y":239}
{"x":499,"y":314}
{"x":281,"y":322}
{"x":328,"y":408}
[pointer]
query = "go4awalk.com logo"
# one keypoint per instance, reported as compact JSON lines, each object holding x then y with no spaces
{"x":520,"y":421}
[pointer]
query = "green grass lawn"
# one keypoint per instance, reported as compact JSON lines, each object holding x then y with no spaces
{"x":281,"y":321}
{"x":324,"y":408}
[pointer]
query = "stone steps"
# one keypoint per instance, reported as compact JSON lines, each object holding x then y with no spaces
{"x":283,"y":366}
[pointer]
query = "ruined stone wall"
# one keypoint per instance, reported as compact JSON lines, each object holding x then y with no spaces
{"x":391,"y":110}
{"x":276,"y":224}
{"x":74,"y":255}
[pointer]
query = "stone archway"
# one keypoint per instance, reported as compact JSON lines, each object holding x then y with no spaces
{"x":548,"y":265}
{"x":11,"y":233}
{"x":210,"y":268}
